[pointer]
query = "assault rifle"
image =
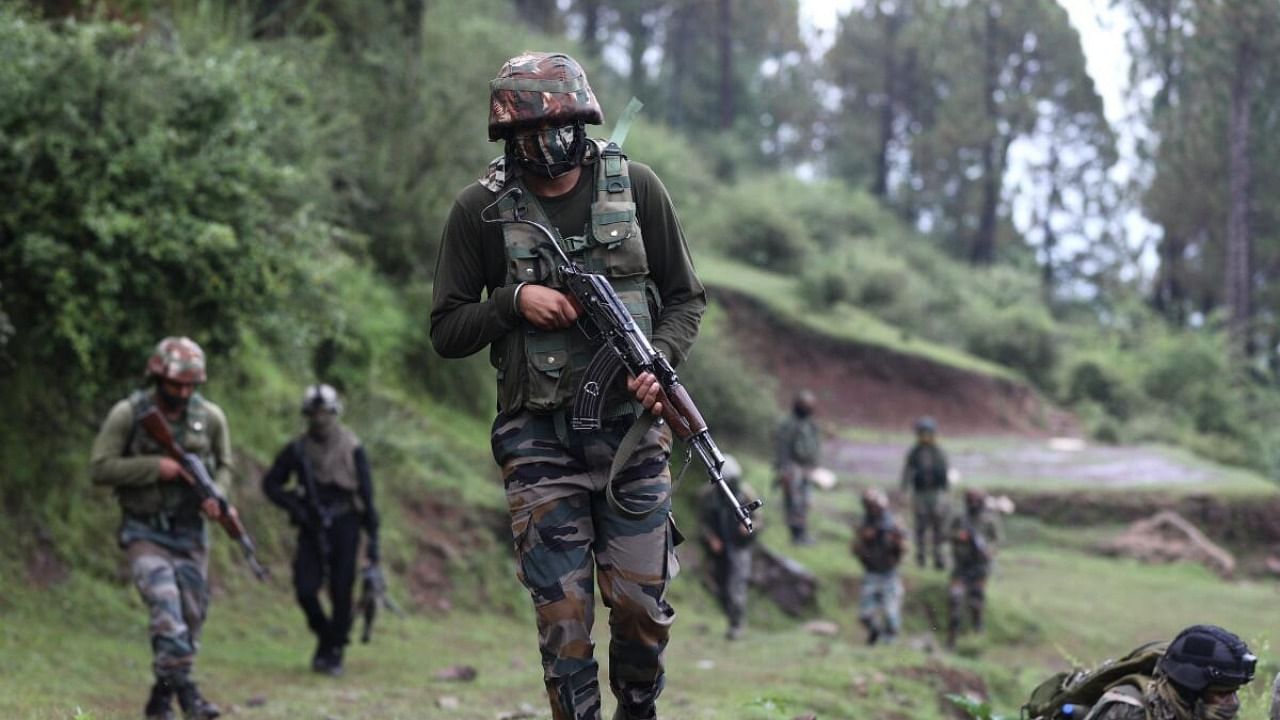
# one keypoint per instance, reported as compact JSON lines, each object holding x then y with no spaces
{"x":195,"y":473}
{"x":373,"y":594}
{"x":605,"y":318}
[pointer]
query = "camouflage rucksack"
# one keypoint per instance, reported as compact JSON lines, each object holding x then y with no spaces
{"x":1071,"y":694}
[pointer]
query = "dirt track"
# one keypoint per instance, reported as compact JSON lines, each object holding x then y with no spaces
{"x":1030,"y":463}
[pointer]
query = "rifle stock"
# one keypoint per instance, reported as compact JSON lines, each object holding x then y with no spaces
{"x":197,"y":475}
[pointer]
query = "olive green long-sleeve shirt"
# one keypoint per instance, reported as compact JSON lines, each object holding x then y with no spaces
{"x":111,"y":467}
{"x":473,"y":261}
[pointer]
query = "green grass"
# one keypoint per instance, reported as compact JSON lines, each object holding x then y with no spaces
{"x":780,"y":294}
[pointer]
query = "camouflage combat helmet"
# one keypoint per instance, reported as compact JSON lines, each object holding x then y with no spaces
{"x":537,"y":89}
{"x":178,"y":359}
{"x":321,"y":397}
{"x":926,"y":424}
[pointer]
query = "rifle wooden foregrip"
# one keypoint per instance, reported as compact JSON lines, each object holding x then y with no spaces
{"x":681,"y":414}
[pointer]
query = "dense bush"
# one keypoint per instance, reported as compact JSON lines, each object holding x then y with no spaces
{"x":1020,"y":337}
{"x":147,"y":192}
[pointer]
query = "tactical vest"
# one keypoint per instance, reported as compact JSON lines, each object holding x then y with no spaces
{"x":928,"y":468}
{"x":540,"y":370}
{"x":194,"y":434}
{"x":880,"y":543}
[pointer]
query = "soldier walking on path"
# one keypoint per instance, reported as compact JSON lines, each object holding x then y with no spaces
{"x":729,"y":545}
{"x":329,"y":504}
{"x":924,"y":476}
{"x":878,"y":543}
{"x":497,"y":285}
{"x":162,"y":529}
{"x":974,"y":536}
{"x":797,"y":453}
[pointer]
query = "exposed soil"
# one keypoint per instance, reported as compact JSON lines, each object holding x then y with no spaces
{"x":948,"y":681}
{"x":870,"y":386}
{"x":445,"y":532}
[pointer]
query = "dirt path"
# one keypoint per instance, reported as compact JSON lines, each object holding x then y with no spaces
{"x":1036,"y":463}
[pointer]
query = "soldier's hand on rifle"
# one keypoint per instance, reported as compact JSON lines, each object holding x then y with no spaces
{"x":648,"y":391}
{"x":211,"y":508}
{"x":171,"y":469}
{"x":545,"y":308}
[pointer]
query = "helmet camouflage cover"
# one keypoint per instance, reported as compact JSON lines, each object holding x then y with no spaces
{"x":178,"y":359}
{"x":537,"y":89}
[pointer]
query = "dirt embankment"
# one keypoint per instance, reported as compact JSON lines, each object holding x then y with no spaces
{"x":867,"y":385}
{"x":1248,"y":521}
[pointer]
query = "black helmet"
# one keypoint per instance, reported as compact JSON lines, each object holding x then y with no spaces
{"x":1205,"y":655}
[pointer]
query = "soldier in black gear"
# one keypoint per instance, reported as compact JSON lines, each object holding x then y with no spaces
{"x":330,"y":502}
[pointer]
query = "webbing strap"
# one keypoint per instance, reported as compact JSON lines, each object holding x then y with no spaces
{"x":627,"y":117}
{"x":626,"y":449}
{"x":537,"y":85}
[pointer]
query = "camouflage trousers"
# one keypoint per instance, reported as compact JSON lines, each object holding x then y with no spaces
{"x":880,"y":604}
{"x":732,"y":569}
{"x":565,"y":531}
{"x":929,"y":512}
{"x":173,"y":586}
{"x":796,"y":492}
{"x":968,"y":590}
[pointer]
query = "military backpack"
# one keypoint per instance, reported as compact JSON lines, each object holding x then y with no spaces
{"x":1072,"y":694}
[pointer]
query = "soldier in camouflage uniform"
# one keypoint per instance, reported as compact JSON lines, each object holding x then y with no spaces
{"x":974,"y":536}
{"x":162,"y":531}
{"x":1198,"y":678}
{"x":331,"y":461}
{"x":878,"y":542}
{"x":729,"y":545}
{"x":924,"y":476}
{"x":574,"y":518}
{"x":798,"y":451}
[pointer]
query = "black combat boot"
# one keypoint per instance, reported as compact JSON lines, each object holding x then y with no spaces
{"x":193,"y":704}
{"x":320,"y":660}
{"x":160,"y":704}
{"x":334,"y":661}
{"x":873,"y":632}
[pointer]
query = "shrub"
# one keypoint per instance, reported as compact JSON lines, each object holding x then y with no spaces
{"x":1020,"y":337}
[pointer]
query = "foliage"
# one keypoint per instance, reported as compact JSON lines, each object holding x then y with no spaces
{"x":148,"y":192}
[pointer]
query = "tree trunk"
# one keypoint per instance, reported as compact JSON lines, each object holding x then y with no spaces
{"x":982,"y":251}
{"x":639,"y":34}
{"x":678,"y":42}
{"x":725,"y":32}
{"x":1237,"y":285}
{"x":889,"y":99}
{"x":591,"y":27}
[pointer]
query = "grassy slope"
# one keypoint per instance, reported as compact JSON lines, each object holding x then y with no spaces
{"x":82,"y":643}
{"x":846,"y":322}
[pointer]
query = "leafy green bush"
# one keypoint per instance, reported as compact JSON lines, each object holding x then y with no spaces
{"x":147,"y":192}
{"x":1020,"y":337}
{"x":736,"y":400}
{"x":826,"y":288}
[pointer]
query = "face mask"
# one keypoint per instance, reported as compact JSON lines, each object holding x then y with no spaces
{"x":321,"y":423}
{"x":802,"y":411}
{"x":551,"y":152}
{"x":1218,"y":711}
{"x":171,"y":403}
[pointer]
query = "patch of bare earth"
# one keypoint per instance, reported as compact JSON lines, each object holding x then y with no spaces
{"x":871,"y":386}
{"x":444,"y":533}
